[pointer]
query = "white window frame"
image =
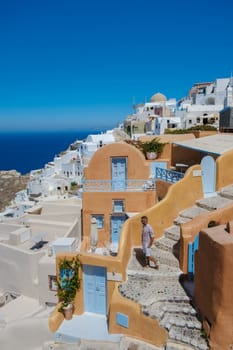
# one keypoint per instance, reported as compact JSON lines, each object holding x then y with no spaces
{"x":120,"y":205}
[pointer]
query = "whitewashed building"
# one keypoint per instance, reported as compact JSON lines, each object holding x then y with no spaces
{"x":153,"y":117}
{"x":94,"y":142}
{"x":28,"y":248}
{"x":57,"y":176}
{"x":201,"y":107}
{"x":204,"y":103}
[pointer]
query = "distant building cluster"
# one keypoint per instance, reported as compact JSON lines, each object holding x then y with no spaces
{"x":203,"y":106}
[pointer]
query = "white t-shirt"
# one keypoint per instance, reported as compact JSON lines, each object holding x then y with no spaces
{"x":147,"y":234}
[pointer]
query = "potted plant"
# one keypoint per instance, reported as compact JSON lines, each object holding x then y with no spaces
{"x":68,"y":284}
{"x":152,"y":148}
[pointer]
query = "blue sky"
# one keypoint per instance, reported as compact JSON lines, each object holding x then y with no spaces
{"x":78,"y":64}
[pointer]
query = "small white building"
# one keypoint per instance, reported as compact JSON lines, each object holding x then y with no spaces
{"x":152,"y":117}
{"x":94,"y":142}
{"x":204,"y":103}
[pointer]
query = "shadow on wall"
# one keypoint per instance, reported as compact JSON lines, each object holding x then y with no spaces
{"x":162,"y":214}
{"x":160,"y":217}
{"x":224,"y":170}
{"x":224,"y":177}
{"x":190,"y":229}
{"x":180,"y":196}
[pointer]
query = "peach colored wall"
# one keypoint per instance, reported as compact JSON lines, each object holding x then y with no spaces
{"x":161,"y":189}
{"x":190,"y":229}
{"x":185,"y":156}
{"x":199,"y":133}
{"x":101,"y":203}
{"x":224,"y":170}
{"x":140,"y":326}
{"x":166,"y":154}
{"x":214,"y":285}
{"x":188,"y":156}
{"x":113,"y":265}
{"x":176,"y":154}
{"x":55,"y":319}
{"x":129,"y":231}
{"x":224,"y":177}
{"x":168,"y":138}
{"x":160,"y":217}
{"x":99,"y":167}
{"x":162,"y":214}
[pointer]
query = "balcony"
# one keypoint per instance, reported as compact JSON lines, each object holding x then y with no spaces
{"x":121,"y":186}
{"x":170,"y":176}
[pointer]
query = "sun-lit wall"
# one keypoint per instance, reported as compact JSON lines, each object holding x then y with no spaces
{"x":137,"y":325}
{"x":224,"y":170}
{"x":101,"y":202}
{"x":190,"y":229}
{"x":214,"y":285}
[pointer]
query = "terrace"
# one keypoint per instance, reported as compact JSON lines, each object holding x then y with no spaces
{"x":132,"y":185}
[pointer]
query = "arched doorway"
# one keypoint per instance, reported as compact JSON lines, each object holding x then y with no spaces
{"x":208,"y":171}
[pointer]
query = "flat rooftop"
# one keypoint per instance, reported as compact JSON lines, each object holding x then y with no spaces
{"x":216,"y":144}
{"x":55,"y":220}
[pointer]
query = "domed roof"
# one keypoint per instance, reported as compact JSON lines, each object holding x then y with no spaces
{"x":158,"y":98}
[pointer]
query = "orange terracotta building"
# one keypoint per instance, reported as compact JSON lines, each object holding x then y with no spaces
{"x":117,"y":185}
{"x":106,"y":199}
{"x":214,"y":285}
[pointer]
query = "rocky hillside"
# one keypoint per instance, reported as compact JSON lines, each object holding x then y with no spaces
{"x":10,"y":183}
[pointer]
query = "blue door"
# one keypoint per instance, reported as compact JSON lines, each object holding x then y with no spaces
{"x":192,"y":248}
{"x":208,"y":171}
{"x":118,"y":173}
{"x":116,"y":224}
{"x":95,"y":289}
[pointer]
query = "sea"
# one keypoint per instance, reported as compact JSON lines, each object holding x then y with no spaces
{"x":26,"y":151}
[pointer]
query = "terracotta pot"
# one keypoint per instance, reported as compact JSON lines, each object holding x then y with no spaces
{"x":151,"y":155}
{"x":68,"y":311}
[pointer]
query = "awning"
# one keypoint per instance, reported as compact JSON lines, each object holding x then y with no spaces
{"x":216,"y":144}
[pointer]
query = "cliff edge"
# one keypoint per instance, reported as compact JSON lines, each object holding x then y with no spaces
{"x":11,"y":182}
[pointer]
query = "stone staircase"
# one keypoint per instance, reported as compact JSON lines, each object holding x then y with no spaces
{"x":160,"y":292}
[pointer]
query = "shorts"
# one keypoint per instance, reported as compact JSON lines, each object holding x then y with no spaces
{"x":146,"y":251}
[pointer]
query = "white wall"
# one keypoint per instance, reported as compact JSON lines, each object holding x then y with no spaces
{"x":47,"y":267}
{"x":19,"y":270}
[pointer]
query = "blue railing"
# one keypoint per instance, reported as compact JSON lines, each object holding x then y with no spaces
{"x":132,"y":185}
{"x":168,"y":175}
{"x":124,"y":186}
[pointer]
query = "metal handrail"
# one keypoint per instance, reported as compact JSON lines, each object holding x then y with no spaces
{"x":118,"y":186}
{"x":132,"y":185}
{"x":168,"y":175}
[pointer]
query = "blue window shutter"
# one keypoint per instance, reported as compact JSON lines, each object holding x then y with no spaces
{"x":118,"y":206}
{"x":99,"y":220}
{"x":122,"y":320}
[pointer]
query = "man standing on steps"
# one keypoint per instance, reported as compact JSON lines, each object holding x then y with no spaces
{"x":147,"y":240}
